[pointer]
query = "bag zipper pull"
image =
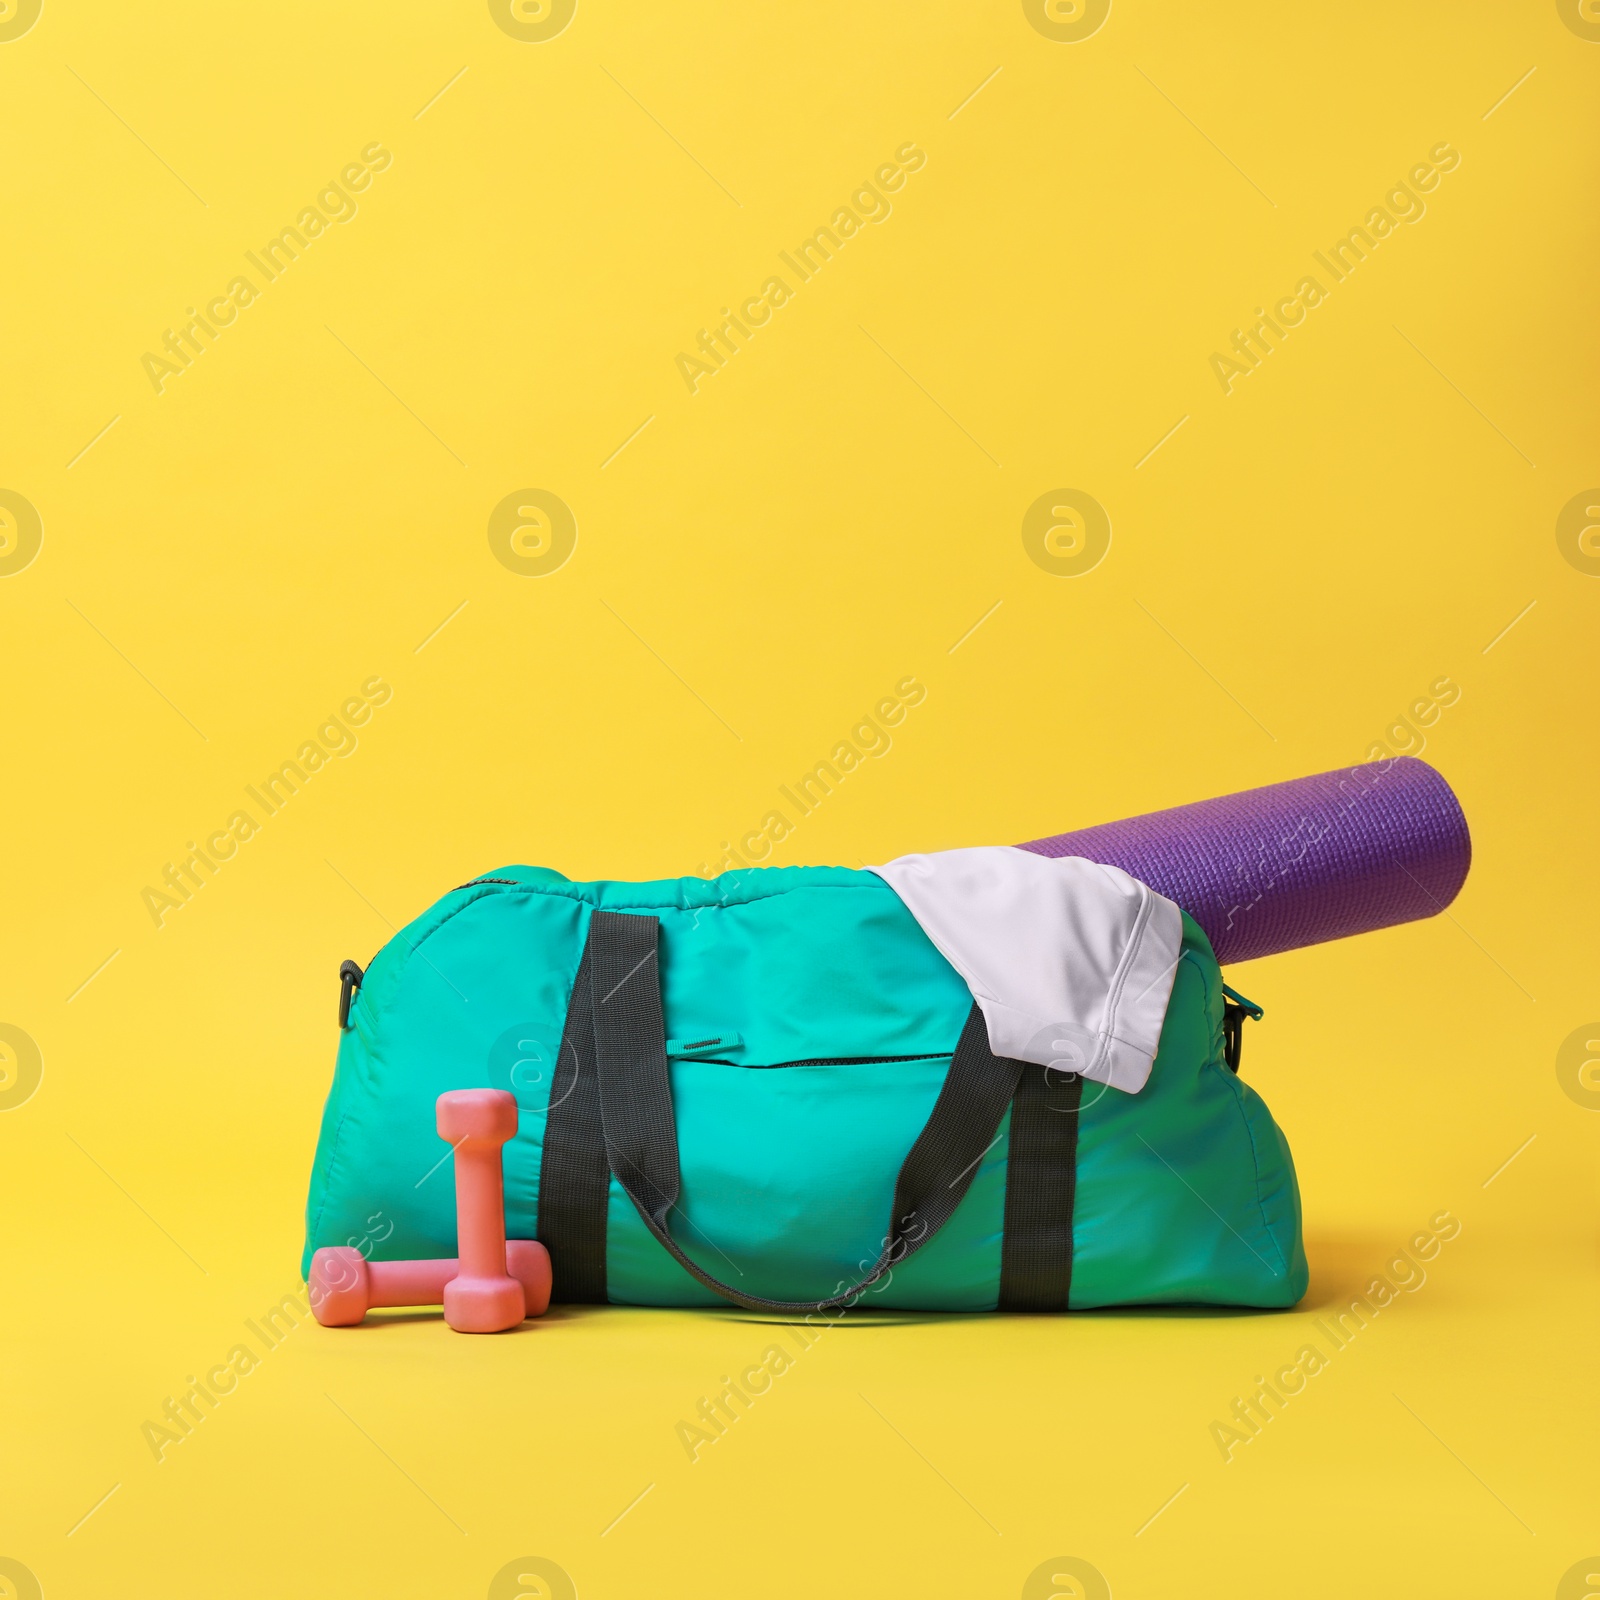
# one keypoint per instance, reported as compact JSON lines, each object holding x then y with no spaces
{"x":702,"y":1045}
{"x":1235,"y":1008}
{"x":350,"y":976}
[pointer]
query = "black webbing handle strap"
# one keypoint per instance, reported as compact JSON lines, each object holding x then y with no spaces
{"x":1041,"y":1191}
{"x":574,"y":1181}
{"x":641,"y":1140}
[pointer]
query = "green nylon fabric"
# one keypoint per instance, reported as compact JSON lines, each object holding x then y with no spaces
{"x":1186,"y":1191}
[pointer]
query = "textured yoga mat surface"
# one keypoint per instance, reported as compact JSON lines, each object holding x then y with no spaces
{"x":1296,"y":863}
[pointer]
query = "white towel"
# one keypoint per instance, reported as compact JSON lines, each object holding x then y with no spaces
{"x":1071,"y":962}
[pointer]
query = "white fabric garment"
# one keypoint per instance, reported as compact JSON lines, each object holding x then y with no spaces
{"x":1071,"y":962}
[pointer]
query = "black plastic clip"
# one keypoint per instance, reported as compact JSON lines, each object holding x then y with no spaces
{"x":350,"y":976}
{"x":1235,"y":1008}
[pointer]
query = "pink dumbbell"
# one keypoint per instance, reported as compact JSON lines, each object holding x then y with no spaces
{"x":345,"y":1286}
{"x":494,"y":1283}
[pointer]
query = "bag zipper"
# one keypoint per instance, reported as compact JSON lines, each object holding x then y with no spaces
{"x":815,"y":1061}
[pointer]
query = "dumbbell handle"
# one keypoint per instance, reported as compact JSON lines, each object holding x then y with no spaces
{"x":480,"y":1209}
{"x":409,"y":1283}
{"x":421,"y":1283}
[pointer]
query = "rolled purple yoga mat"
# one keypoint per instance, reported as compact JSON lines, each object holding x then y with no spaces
{"x":1296,"y":863}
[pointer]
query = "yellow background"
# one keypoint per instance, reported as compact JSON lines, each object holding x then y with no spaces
{"x":835,"y":509}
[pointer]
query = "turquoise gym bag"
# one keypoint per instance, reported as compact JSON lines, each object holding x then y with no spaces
{"x":771,"y":1089}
